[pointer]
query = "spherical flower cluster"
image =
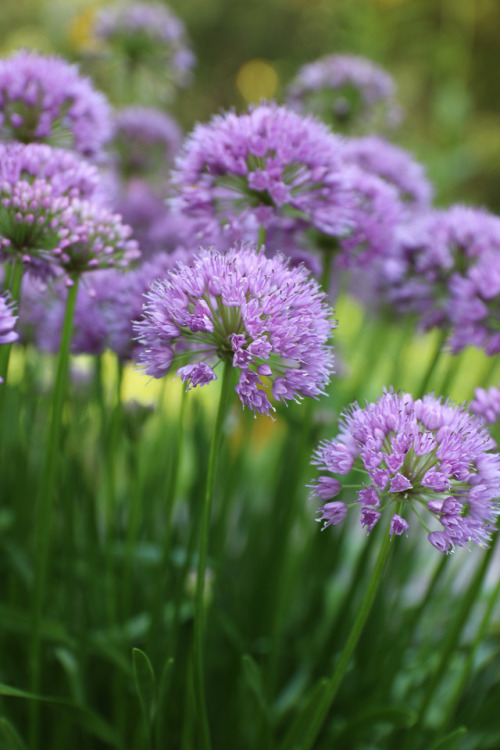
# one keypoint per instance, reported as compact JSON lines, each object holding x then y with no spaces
{"x":268,"y":320}
{"x":377,"y":211}
{"x":424,"y":455}
{"x":145,"y":31}
{"x":93,"y":238}
{"x":45,"y":99}
{"x":394,"y":165}
{"x":269,"y":168}
{"x":349,"y":92}
{"x":38,"y":186}
{"x":146,"y":140}
{"x":474,"y":304}
{"x":486,"y":404}
{"x":433,"y":272}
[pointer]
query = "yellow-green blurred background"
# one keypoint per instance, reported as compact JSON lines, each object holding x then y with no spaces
{"x":443,"y":54}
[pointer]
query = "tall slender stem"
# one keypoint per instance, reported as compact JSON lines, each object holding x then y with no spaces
{"x":432,"y":364}
{"x":202,"y":557}
{"x":345,"y":657}
{"x":44,"y":509}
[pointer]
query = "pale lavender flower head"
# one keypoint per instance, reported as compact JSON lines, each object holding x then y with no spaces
{"x":486,"y":404}
{"x":394,"y":165}
{"x":269,"y":168}
{"x":436,"y":253}
{"x":146,"y":141}
{"x":377,"y":211}
{"x":474,"y":303}
{"x":149,"y":33}
{"x":423,"y":455}
{"x":45,"y":99}
{"x":93,"y":238}
{"x":270,"y":321}
{"x":350,"y":93}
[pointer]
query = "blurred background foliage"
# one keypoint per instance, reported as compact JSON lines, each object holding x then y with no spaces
{"x":443,"y":55}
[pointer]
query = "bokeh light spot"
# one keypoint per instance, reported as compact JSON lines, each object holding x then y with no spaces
{"x":257,"y":80}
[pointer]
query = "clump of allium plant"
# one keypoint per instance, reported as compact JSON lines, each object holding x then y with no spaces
{"x":486,"y":404}
{"x":417,"y":457}
{"x":268,"y":320}
{"x":148,"y":33}
{"x":268,"y":169}
{"x":46,"y":99}
{"x":349,"y":92}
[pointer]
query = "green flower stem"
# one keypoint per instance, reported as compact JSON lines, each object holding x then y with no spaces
{"x":15,"y":291}
{"x":469,"y":663}
{"x":261,"y":239}
{"x":431,"y":367}
{"x":448,"y":646}
{"x":171,"y":486}
{"x":451,"y":641}
{"x":224,"y":401}
{"x":451,"y":373}
{"x":44,"y":510}
{"x":326,"y":273}
{"x":345,"y":657}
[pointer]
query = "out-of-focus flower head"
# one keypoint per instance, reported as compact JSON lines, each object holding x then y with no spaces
{"x":350,"y":93}
{"x":269,"y":168}
{"x":270,"y":321}
{"x":435,"y":260}
{"x":93,"y":238}
{"x":146,"y":141}
{"x":148,"y":33}
{"x":423,"y":455}
{"x":107,"y":302}
{"x":486,"y":404}
{"x":394,"y":165}
{"x":46,"y":197}
{"x":46,"y":99}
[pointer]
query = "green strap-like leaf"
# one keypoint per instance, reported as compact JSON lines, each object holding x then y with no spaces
{"x":303,"y":718}
{"x":449,"y":742}
{"x":145,"y":684}
{"x":9,"y":738}
{"x":81,"y":715}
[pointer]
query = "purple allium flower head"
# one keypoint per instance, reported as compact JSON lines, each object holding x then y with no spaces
{"x":148,"y":32}
{"x":349,"y":92}
{"x":433,"y":271}
{"x":146,"y":141}
{"x":269,"y":320}
{"x":474,"y":304}
{"x":377,"y":211}
{"x":45,"y":99}
{"x":486,"y":404}
{"x":394,"y":165}
{"x":437,"y":461}
{"x":269,"y":168}
{"x":94,"y":238}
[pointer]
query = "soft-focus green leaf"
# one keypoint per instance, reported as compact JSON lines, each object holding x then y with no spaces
{"x":145,"y":683}
{"x":9,"y":738}
{"x":450,"y":741}
{"x":304,"y":716}
{"x":83,"y":716}
{"x":253,"y":679}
